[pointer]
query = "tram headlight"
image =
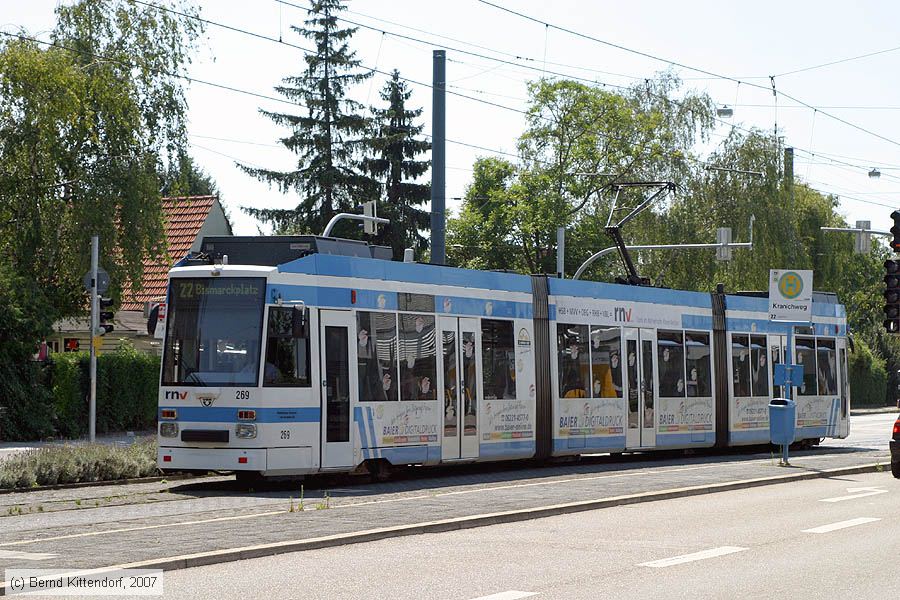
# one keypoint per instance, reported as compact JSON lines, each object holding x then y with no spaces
{"x":168,"y":429}
{"x":245,"y":431}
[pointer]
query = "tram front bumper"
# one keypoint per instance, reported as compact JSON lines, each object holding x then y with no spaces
{"x":211,"y":459}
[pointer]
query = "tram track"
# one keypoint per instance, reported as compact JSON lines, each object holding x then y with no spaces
{"x":178,"y":507}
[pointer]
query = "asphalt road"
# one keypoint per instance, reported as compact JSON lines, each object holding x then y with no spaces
{"x":825,"y":538}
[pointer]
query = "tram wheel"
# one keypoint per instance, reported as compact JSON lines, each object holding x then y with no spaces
{"x":381,"y":469}
{"x":249,"y":479}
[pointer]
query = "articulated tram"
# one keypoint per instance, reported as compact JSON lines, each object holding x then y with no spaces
{"x":285,"y":356}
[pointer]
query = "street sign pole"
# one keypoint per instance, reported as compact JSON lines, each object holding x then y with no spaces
{"x":95,"y":252}
{"x":790,"y":300}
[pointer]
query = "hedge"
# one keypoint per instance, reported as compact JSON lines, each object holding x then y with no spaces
{"x":127,"y":391}
{"x":26,"y":408}
{"x":57,"y":402}
{"x":868,"y":376}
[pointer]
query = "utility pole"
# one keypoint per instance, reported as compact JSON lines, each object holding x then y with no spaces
{"x":95,"y":325}
{"x":438,"y":154}
{"x":560,"y":252}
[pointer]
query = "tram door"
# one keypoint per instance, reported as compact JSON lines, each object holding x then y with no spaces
{"x":640,"y":359}
{"x":844,"y":388}
{"x":460,"y":387}
{"x":339,"y":387}
{"x":777,"y":354}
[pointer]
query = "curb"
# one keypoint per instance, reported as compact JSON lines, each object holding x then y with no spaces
{"x":88,"y":484}
{"x":458,"y":523}
{"x":857,"y":412}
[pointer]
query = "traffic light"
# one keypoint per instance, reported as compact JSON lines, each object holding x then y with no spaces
{"x":106,"y":316}
{"x":892,"y":296}
{"x":895,"y":243}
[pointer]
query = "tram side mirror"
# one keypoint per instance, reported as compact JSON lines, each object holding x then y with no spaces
{"x":300,"y":322}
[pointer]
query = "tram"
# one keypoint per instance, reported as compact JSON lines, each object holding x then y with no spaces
{"x":285,"y":356}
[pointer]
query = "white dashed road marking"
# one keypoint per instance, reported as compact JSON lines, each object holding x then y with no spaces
{"x":841,"y":525}
{"x":860,"y":492}
{"x":702,"y":555}
{"x":508,"y":595}
{"x":16,"y":555}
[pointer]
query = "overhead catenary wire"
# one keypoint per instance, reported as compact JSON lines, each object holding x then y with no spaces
{"x":837,"y":62}
{"x":691,"y":68}
{"x":606,"y":84}
{"x":412,"y":81}
{"x":296,"y":104}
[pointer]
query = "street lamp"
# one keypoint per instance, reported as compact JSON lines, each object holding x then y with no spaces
{"x":725,"y":112}
{"x":874,"y":173}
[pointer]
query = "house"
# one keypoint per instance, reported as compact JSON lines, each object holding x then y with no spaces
{"x":187,"y":221}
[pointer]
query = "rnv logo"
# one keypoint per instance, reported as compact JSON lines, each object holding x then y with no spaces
{"x":620,"y":314}
{"x":176,"y":395}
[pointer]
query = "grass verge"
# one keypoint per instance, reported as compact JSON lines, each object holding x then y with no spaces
{"x":55,"y":465}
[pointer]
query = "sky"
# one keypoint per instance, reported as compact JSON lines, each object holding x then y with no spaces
{"x":729,"y":50}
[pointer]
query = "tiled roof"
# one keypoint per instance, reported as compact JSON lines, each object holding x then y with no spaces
{"x":183,"y":219}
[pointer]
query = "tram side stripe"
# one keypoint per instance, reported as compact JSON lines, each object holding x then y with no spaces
{"x":369,"y":419}
{"x":228,"y":414}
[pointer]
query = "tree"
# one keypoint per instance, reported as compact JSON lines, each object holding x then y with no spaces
{"x":84,"y":125}
{"x":481,"y":237}
{"x":184,"y":178}
{"x":328,"y":140}
{"x":579,"y":139}
{"x":394,"y":146}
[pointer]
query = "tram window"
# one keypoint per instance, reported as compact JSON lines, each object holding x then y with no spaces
{"x":827,"y":371}
{"x":606,"y":363}
{"x":740,"y":364}
{"x":670,"y":363}
{"x":806,"y":357}
{"x":499,"y":359}
{"x":376,"y":352}
{"x":697,"y":360}
{"x":631,"y":366}
{"x":214,"y":332}
{"x":287,"y":357}
{"x":418,"y":368}
{"x":759,"y":366}
{"x":415,"y":302}
{"x":574,"y":370}
{"x":778,"y":391}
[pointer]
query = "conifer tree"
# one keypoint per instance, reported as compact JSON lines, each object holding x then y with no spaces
{"x":327,"y":138}
{"x":394,"y":147}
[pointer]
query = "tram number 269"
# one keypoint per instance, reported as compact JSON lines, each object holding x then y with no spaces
{"x":285,"y":434}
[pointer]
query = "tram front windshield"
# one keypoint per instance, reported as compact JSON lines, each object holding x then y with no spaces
{"x":214,"y":330}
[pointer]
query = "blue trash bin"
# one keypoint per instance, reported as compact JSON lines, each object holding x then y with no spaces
{"x":782,"y":418}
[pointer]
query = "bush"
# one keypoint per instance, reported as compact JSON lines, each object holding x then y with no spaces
{"x":127,"y":391}
{"x":868,"y":376}
{"x":70,"y":377}
{"x":25,"y":318}
{"x":25,"y":405}
{"x":79,"y":463}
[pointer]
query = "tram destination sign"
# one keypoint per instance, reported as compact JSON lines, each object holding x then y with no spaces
{"x":790,"y":295}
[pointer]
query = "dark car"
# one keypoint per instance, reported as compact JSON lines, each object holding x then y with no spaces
{"x":895,"y":450}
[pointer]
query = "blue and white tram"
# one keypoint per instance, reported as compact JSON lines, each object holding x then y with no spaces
{"x":297,"y":355}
